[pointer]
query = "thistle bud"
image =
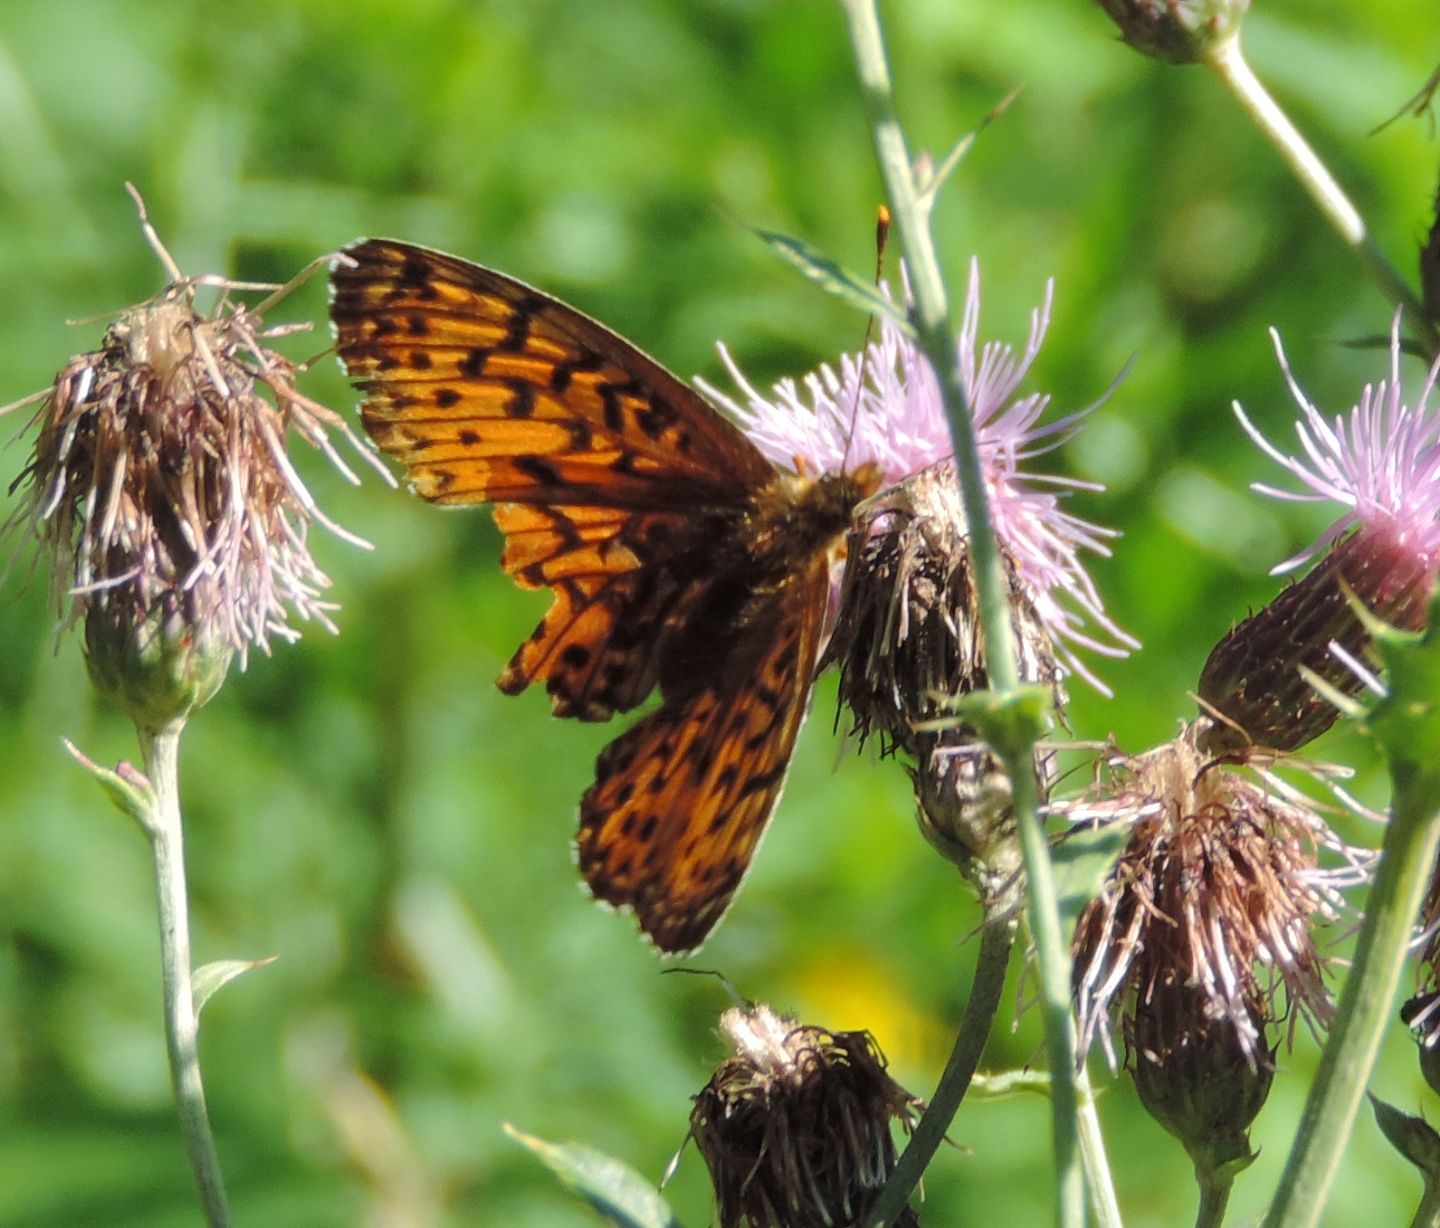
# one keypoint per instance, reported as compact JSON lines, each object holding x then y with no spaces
{"x":1382,"y":466}
{"x":1176,"y":31}
{"x":795,"y":1128}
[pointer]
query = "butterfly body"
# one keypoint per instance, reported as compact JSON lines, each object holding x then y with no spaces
{"x":679,"y":558}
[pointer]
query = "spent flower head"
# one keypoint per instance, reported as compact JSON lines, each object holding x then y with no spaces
{"x":160,"y":487}
{"x":1381,"y":465}
{"x":795,"y":1128}
{"x":1215,"y":894}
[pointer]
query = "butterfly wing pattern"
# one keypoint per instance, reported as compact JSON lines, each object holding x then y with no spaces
{"x":678,"y":557}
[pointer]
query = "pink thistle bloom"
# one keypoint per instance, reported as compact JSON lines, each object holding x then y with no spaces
{"x":883,"y":406}
{"x":1381,"y":464}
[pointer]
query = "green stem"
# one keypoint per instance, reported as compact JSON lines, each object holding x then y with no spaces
{"x":935,"y":336}
{"x":1230,"y":65}
{"x":1427,"y":1214}
{"x":1104,"y":1206}
{"x":161,"y":752}
{"x":1214,"y":1195}
{"x":996,"y":940}
{"x":1407,"y":857}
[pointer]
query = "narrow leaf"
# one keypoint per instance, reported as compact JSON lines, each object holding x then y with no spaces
{"x":828,"y":275}
{"x":611,"y":1187}
{"x":209,"y":979}
{"x":1083,"y":860}
{"x":126,"y":787}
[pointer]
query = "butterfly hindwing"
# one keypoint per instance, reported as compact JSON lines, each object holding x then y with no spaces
{"x":681,"y":800}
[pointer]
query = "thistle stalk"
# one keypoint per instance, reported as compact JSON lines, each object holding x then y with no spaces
{"x":931,"y":317}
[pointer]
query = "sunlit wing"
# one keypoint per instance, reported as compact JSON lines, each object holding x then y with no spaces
{"x":602,"y":464}
{"x":681,"y":800}
{"x":490,"y":391}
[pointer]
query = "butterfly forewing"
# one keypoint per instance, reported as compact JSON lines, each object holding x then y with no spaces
{"x":676,"y":554}
{"x":489,"y":391}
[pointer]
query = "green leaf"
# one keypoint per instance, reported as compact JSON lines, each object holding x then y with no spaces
{"x":930,"y":186}
{"x":1413,"y":1137}
{"x":612,"y":1187}
{"x":1011,"y":721}
{"x":1083,"y":860}
{"x":210,"y":979}
{"x":828,"y":275}
{"x":126,"y":787}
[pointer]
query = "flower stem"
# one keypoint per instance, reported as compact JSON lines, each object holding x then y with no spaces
{"x":1406,"y":859}
{"x":161,"y":753}
{"x":936,"y":338}
{"x":996,"y":940}
{"x":1214,"y":1195}
{"x":1104,"y":1206}
{"x":1427,"y":1214}
{"x":1230,"y":65}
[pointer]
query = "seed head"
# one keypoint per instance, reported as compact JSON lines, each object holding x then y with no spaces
{"x":795,"y":1128}
{"x":160,"y":489}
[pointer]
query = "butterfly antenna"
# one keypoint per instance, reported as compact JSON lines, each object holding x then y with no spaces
{"x":736,"y":996}
{"x":882,"y":237}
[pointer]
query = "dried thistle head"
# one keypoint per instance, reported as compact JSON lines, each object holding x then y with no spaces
{"x":909,"y":638}
{"x":1216,"y":892}
{"x":160,"y":488}
{"x":795,"y":1128}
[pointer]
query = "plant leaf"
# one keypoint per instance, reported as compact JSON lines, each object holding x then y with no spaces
{"x":609,"y":1185}
{"x":828,"y":275}
{"x":210,"y":979}
{"x":1083,"y":859}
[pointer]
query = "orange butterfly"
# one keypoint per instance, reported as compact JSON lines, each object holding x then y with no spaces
{"x":678,"y":556}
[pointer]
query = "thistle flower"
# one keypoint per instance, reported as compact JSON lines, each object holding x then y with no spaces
{"x":883,"y":407}
{"x":1213,"y":898}
{"x":907,"y":627}
{"x":160,"y":487}
{"x":1382,"y":466}
{"x":795,"y":1127}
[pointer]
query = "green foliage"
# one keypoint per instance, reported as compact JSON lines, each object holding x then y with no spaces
{"x":370,"y":808}
{"x":613,"y":1188}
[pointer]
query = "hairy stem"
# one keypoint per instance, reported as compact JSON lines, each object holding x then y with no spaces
{"x":996,"y":941}
{"x":1229,"y":64}
{"x":936,"y":339}
{"x":1366,"y":1007}
{"x":161,"y":753}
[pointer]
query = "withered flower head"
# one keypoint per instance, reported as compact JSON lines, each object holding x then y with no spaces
{"x":160,"y":487}
{"x":1215,"y":895}
{"x":1381,"y":466}
{"x":795,"y":1128}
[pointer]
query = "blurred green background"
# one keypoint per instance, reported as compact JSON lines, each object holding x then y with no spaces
{"x":370,"y":809}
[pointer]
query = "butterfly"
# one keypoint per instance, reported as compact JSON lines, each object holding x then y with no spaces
{"x":678,"y":557}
